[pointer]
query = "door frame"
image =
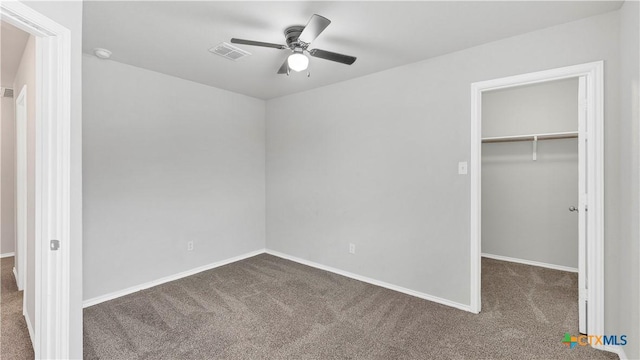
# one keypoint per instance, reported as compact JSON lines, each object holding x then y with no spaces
{"x":52,"y":177}
{"x":21,"y":204}
{"x":594,"y":74}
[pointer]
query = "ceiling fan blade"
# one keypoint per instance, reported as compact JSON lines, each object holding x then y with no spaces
{"x":328,"y":55}
{"x":284,"y":69}
{"x":257,"y":43}
{"x":313,"y":28}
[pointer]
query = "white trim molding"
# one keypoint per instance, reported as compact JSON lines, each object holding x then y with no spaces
{"x":594,"y":74}
{"x":530,"y":262}
{"x":130,"y":290}
{"x":6,"y":255}
{"x":51,"y":327}
{"x":371,"y":281}
{"x":20,"y":189}
{"x":32,"y":334}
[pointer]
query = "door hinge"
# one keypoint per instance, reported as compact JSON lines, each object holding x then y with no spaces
{"x":54,"y":245}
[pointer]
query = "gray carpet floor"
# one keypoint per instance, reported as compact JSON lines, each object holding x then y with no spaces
{"x":14,"y":336}
{"x":266,"y":307}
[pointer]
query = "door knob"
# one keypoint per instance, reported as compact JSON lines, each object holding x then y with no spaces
{"x":573,"y":208}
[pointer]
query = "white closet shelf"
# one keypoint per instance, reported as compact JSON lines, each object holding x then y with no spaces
{"x":532,"y":137}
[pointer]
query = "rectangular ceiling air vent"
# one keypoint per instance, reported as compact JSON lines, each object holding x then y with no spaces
{"x":229,"y":51}
{"x":6,"y":92}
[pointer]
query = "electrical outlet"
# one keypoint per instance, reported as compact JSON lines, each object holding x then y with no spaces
{"x":190,"y":246}
{"x":352,"y":248}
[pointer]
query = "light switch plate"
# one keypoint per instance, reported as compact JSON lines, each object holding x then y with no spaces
{"x":462,"y":168}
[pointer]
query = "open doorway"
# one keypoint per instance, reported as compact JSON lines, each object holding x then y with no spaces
{"x":15,"y":69}
{"x":17,"y":188}
{"x":530,"y":186}
{"x":588,"y":78}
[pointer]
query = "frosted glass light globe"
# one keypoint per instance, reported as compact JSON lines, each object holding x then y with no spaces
{"x":298,"y":62}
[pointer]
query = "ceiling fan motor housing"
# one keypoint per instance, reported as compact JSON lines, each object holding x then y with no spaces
{"x":291,"y":34}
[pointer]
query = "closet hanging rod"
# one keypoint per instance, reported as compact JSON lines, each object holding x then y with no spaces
{"x":532,"y":137}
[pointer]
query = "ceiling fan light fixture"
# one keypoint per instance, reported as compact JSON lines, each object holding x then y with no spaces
{"x":298,"y":61}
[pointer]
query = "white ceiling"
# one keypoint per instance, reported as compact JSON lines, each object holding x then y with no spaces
{"x":13,"y":42}
{"x":174,"y":37}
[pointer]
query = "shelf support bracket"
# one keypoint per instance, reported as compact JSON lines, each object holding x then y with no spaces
{"x":535,"y":147}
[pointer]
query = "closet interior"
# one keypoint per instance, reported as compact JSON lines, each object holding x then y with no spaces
{"x":530,"y":174}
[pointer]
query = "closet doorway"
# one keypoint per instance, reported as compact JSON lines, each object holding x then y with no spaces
{"x":579,"y":239}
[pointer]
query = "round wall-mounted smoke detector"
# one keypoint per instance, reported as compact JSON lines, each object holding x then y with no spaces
{"x":102,"y":53}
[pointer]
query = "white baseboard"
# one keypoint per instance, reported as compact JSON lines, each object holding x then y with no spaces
{"x":15,"y":277}
{"x":371,"y":281}
{"x":530,"y":262}
{"x":6,"y":255}
{"x":27,"y":319}
{"x":617,"y":349}
{"x":133,"y":289}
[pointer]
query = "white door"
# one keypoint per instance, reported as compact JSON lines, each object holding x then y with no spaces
{"x":21,"y":189}
{"x":582,"y":206}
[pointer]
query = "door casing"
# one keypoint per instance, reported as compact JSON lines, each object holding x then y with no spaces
{"x":593,"y":134}
{"x":21,"y":191}
{"x":52,"y":178}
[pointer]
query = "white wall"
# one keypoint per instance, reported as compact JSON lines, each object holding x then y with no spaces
{"x":628,"y":260}
{"x":26,"y":76}
{"x":7,"y":172}
{"x":69,"y":15}
{"x":166,"y":161}
{"x":373,"y":161}
{"x":524,"y":202}
{"x":547,"y":107}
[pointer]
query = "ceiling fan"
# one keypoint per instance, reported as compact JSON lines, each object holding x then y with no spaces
{"x":298,"y":39}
